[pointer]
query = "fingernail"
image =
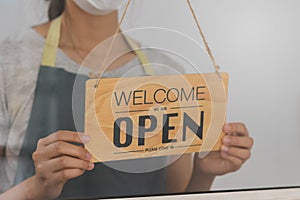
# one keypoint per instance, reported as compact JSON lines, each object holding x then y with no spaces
{"x":225,"y":148}
{"x":227,"y":140}
{"x":91,"y":166}
{"x":225,"y":155}
{"x":88,"y":156}
{"x":85,"y":139}
{"x":227,"y":128}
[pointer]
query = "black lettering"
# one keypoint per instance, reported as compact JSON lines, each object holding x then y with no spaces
{"x":191,"y":94}
{"x":117,"y":132}
{"x":123,"y":95}
{"x":137,"y":97}
{"x":177,"y":95}
{"x":167,"y":128}
{"x":143,"y":130}
{"x":199,"y":92}
{"x":155,"y":99}
{"x":145,"y":99}
{"x":193,"y":126}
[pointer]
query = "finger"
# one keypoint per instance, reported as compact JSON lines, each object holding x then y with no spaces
{"x":64,"y":162}
{"x":236,"y":162}
{"x":67,"y":174}
{"x":243,"y":154}
{"x":63,"y":148}
{"x":67,"y":136}
{"x":236,"y":128}
{"x":236,"y":141}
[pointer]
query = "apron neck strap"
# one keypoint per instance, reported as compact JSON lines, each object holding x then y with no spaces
{"x":140,"y":54}
{"x":52,"y":43}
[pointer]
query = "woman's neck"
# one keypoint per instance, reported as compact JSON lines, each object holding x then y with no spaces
{"x":86,"y":31}
{"x":82,"y":32}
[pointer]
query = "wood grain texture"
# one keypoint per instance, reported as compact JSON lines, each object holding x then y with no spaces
{"x":178,"y":98}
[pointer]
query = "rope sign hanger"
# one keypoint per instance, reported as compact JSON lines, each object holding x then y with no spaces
{"x":216,"y":66}
{"x":210,"y":54}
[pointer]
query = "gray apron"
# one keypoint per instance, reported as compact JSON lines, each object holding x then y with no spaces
{"x":52,"y":111}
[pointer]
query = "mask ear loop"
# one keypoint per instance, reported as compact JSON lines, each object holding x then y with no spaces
{"x":114,"y":38}
{"x":216,"y":66}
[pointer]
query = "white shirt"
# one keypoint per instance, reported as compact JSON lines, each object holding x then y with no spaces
{"x":19,"y":65}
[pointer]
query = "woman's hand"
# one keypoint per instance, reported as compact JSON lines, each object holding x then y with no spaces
{"x":57,"y":161}
{"x":235,"y":151}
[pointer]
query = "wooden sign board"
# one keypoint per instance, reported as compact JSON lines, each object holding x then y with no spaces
{"x":141,"y":117}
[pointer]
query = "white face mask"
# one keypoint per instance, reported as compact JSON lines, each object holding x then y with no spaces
{"x":99,"y":7}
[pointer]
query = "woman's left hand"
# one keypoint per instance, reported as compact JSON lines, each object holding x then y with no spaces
{"x":235,"y":151}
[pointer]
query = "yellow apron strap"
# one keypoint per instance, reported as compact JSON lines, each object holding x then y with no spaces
{"x":51,"y":44}
{"x":142,"y":57}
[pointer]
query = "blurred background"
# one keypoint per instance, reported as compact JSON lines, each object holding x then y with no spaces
{"x":256,"y":42}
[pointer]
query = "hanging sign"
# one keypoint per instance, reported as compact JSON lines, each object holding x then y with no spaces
{"x":142,"y":117}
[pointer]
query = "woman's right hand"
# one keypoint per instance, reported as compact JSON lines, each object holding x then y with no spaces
{"x":57,"y":161}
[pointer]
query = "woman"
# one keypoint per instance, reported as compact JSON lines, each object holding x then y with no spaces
{"x":30,"y":125}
